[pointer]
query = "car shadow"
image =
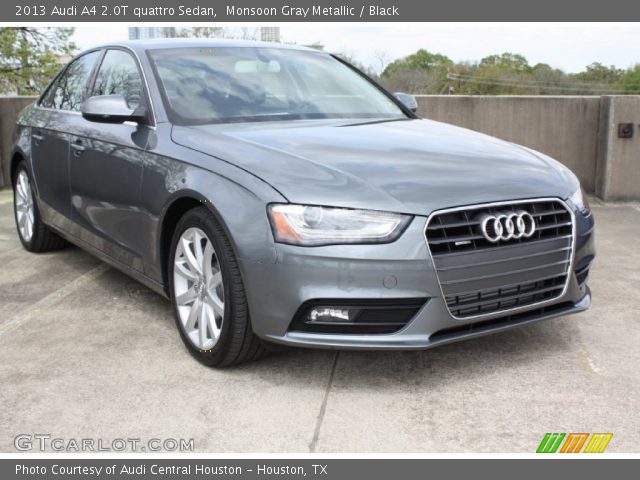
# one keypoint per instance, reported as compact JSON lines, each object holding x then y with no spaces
{"x":513,"y":350}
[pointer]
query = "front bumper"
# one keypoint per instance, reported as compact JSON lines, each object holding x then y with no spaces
{"x":402,"y":270}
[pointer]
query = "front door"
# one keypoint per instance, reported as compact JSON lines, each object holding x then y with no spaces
{"x":58,"y":111}
{"x":106,"y":163}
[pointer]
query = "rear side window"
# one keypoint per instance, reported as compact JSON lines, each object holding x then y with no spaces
{"x":119,"y":75}
{"x":68,"y":92}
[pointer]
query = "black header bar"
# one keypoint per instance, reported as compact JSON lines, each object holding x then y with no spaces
{"x":272,"y":11}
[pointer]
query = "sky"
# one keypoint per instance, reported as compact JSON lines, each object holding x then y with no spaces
{"x":568,"y":46}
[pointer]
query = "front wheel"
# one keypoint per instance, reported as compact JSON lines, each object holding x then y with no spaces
{"x":207,"y":293}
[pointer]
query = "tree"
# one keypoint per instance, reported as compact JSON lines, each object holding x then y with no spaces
{"x":30,"y":56}
{"x":504,"y":74}
{"x":415,"y":81}
{"x":381,"y":60}
{"x":630,"y":80}
{"x":420,"y":72}
{"x":421,"y":60}
{"x":599,"y":73}
{"x":547,"y":80}
{"x":349,"y":57}
{"x":507,"y":61}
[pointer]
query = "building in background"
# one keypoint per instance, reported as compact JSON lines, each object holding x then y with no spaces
{"x":142,"y":33}
{"x":267,"y":34}
{"x":270,"y":34}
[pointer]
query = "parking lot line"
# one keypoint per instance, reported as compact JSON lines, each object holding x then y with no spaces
{"x":48,"y":301}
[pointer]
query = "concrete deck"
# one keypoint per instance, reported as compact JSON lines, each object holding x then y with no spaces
{"x":87,"y":352}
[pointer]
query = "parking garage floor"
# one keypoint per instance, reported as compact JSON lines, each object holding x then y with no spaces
{"x":86,"y":352}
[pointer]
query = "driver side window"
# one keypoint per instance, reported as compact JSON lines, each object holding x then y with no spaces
{"x":68,"y":92}
{"x":119,"y":75}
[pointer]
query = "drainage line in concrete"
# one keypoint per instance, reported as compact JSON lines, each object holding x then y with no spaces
{"x":323,"y":408}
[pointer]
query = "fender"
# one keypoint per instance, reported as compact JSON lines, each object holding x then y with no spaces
{"x":235,"y":197}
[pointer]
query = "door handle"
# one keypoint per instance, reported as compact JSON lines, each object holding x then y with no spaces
{"x":78,"y":148}
{"x":37,"y":138}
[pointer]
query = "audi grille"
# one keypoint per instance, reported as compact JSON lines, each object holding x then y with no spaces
{"x":506,"y":267}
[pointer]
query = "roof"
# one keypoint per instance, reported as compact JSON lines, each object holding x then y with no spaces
{"x":157,"y":43}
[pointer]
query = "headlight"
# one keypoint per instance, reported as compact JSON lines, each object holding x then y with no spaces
{"x":313,"y":226}
{"x":579,"y":200}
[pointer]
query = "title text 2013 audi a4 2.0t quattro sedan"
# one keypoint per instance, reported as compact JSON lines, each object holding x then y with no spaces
{"x":278,"y":196}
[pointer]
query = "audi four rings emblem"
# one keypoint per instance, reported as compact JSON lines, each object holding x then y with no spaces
{"x":507,"y":226}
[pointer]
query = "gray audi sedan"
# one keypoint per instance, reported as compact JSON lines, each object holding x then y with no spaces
{"x":276,"y":195}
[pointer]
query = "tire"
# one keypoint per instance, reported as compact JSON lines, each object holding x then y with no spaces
{"x":194,"y":291}
{"x":34,"y":235}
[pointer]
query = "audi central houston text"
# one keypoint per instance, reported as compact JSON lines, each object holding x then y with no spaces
{"x":277,"y":195}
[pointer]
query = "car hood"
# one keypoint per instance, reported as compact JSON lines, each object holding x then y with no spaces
{"x":408,"y":166}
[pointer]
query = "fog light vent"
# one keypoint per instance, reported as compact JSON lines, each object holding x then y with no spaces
{"x":356,"y":316}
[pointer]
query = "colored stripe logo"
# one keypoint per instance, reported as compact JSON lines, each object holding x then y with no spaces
{"x":573,"y":443}
{"x":598,"y":442}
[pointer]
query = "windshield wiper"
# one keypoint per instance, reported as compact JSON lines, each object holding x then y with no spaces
{"x":381,"y":120}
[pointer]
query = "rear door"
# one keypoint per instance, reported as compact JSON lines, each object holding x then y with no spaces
{"x":57,"y":110}
{"x":106,"y":163}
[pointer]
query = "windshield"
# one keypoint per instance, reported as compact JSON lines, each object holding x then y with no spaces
{"x":231,"y":84}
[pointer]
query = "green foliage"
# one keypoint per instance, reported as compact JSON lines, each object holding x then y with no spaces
{"x":510,"y":62}
{"x":421,"y":60}
{"x":599,"y":73}
{"x":630,"y":80}
{"x":508,"y":73}
{"x":418,"y":72}
{"x":30,"y":56}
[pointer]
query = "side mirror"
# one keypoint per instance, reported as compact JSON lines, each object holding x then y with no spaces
{"x":110,"y":109}
{"x":407,"y":100}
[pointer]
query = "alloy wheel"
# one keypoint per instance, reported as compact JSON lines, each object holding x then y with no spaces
{"x":24,"y":206}
{"x":198,"y":288}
